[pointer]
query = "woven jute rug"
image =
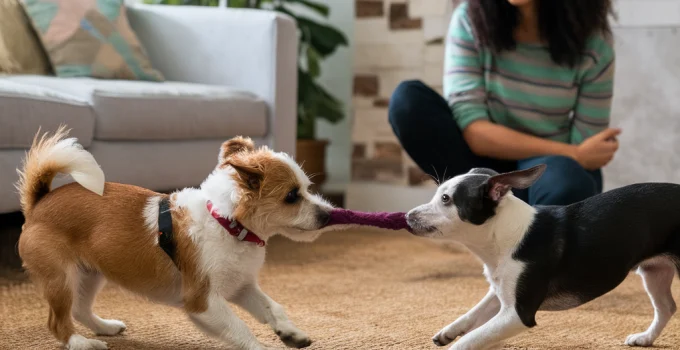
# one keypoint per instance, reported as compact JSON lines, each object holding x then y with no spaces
{"x":352,"y":290}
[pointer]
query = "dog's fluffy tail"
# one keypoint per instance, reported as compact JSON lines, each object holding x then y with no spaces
{"x":50,"y":155}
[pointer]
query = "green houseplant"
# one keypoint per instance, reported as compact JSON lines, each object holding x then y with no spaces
{"x":317,"y":42}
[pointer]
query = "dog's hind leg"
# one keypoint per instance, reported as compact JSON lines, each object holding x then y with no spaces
{"x":657,"y":276}
{"x":58,"y":290}
{"x":55,"y":275}
{"x":88,"y":284}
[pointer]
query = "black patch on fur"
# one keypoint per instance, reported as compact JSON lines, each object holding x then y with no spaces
{"x":586,"y":249}
{"x":471,"y":197}
{"x":165,"y":235}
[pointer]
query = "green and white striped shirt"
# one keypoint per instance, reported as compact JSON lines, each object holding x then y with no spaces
{"x":524,"y":89}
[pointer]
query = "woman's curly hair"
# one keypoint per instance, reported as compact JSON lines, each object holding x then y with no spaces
{"x":566,"y":25}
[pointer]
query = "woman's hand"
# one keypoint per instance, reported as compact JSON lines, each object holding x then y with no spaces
{"x":597,"y":150}
{"x":497,"y":141}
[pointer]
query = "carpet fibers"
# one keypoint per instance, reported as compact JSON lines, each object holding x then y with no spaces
{"x":356,"y":290}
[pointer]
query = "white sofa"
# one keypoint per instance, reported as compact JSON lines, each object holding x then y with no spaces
{"x":229,"y":72}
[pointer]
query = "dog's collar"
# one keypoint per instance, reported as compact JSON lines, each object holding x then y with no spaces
{"x":234,"y":227}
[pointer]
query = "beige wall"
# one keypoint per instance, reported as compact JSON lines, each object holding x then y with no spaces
{"x":395,"y":40}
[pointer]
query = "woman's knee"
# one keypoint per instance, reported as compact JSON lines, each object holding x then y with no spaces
{"x":564,"y":182}
{"x":404,"y":103}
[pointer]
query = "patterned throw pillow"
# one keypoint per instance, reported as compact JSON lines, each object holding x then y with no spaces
{"x":20,"y":49}
{"x":7,"y":64}
{"x":90,"y":38}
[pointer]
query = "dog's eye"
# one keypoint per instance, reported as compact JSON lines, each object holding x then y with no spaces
{"x":446,"y":198}
{"x":292,"y":196}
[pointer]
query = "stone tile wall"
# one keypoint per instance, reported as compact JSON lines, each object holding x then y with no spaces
{"x":395,"y":40}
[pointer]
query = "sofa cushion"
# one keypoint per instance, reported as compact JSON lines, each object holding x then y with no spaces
{"x":26,"y":107}
{"x":139,"y":110}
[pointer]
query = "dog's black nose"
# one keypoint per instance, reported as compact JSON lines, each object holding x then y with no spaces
{"x":323,"y":217}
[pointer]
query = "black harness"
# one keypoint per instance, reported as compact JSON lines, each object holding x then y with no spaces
{"x":165,"y":239}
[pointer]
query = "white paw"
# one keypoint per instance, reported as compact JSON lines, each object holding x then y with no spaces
{"x":294,"y":338}
{"x":449,"y":333}
{"x":474,"y":347}
{"x":78,"y":342}
{"x":110,"y":327}
{"x":461,"y":346}
{"x":640,"y":339}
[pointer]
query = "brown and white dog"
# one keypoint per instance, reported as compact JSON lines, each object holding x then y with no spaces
{"x":80,"y":235}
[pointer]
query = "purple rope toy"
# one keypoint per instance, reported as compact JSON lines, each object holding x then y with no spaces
{"x":389,"y":221}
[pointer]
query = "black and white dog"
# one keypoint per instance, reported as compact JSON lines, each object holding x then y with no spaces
{"x":553,"y":257}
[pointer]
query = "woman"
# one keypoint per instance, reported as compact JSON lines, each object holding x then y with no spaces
{"x":526,"y":82}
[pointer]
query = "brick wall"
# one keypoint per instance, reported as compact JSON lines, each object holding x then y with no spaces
{"x":395,"y":40}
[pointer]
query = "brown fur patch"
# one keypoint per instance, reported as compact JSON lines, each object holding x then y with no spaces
{"x":36,"y":174}
{"x":274,"y":178}
{"x":59,"y":296}
{"x":195,"y":284}
{"x":235,"y":145}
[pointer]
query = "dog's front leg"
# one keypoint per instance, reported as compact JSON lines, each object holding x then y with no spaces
{"x":504,"y":325}
{"x":266,"y":310}
{"x":477,"y":316}
{"x":518,"y":306}
{"x":219,"y":321}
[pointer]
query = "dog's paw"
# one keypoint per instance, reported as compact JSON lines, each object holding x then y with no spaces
{"x":461,"y":346}
{"x":448,"y":334}
{"x":294,"y":339}
{"x":78,"y":342}
{"x":440,"y":339}
{"x":110,"y":327}
{"x":640,"y":339}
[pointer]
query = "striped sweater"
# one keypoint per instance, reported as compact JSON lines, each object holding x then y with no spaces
{"x":524,"y":89}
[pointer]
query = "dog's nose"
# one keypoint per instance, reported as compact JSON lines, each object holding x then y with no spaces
{"x":323,"y":217}
{"x":412,"y":218}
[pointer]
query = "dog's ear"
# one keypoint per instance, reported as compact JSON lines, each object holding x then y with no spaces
{"x":235,"y":145}
{"x":499,"y":185}
{"x":248,"y":174}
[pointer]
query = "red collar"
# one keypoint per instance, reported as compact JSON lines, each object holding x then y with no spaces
{"x":234,"y":227}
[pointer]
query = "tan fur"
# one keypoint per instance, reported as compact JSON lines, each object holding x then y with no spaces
{"x":273,"y":178}
{"x":235,"y":145}
{"x":37,"y":175}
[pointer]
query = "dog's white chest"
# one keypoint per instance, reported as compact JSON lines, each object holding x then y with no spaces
{"x":231,"y":264}
{"x":233,"y":272}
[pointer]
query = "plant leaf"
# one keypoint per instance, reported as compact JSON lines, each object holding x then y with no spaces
{"x":327,"y":106}
{"x":237,"y":3}
{"x":313,"y":66}
{"x":319,"y":8}
{"x":307,"y":98}
{"x":324,"y":38}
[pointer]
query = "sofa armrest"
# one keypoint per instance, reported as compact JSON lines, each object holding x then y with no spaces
{"x":251,"y":50}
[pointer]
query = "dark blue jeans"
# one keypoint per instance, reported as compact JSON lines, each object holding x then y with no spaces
{"x":422,"y":121}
